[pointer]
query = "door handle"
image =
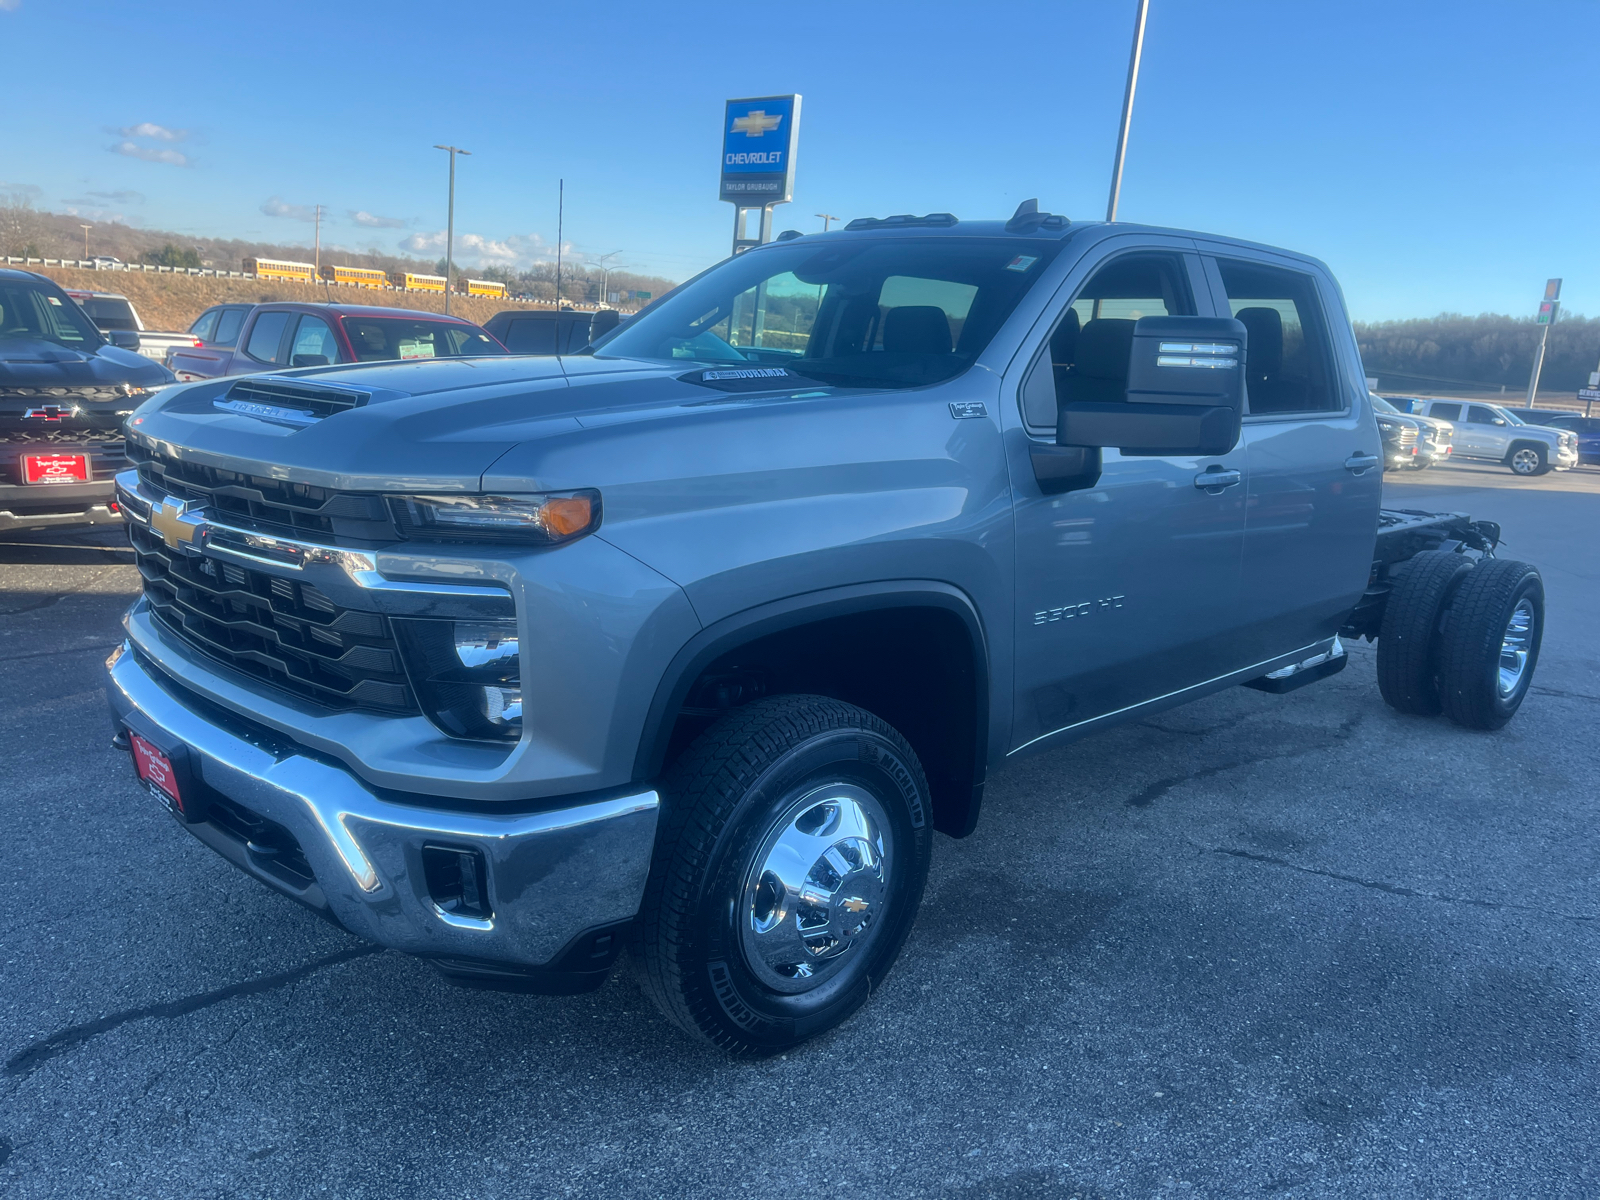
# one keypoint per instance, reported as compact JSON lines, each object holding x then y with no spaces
{"x":1217,"y":479}
{"x":1361,"y":462}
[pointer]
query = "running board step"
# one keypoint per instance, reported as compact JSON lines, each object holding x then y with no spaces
{"x":1297,"y":675}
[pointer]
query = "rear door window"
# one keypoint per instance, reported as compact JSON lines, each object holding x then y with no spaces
{"x":1288,"y":357}
{"x":266,"y":337}
{"x":531,"y":336}
{"x":228,"y":326}
{"x":206,"y":325}
{"x":1446,"y":412}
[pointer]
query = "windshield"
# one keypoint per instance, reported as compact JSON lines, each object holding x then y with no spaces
{"x":377,"y":339}
{"x":892,"y":313}
{"x":1510,"y":416}
{"x":1383,"y":406}
{"x":27,"y":311}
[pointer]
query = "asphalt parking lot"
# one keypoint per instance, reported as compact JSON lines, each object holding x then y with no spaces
{"x":1293,"y":946}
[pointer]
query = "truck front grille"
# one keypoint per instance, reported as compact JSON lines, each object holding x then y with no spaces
{"x":282,"y":631}
{"x":273,"y":506}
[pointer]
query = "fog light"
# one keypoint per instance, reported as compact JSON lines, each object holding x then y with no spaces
{"x":467,"y":675}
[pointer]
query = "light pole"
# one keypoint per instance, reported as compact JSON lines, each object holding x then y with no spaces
{"x":86,"y":229}
{"x":1127,"y":109}
{"x":605,"y":273}
{"x":826,"y":217}
{"x":316,"y":254}
{"x":450,"y":228}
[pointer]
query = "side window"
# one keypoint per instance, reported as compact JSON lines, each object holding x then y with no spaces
{"x":228,"y":325}
{"x":314,"y":344}
{"x":1477,"y":414}
{"x":266,"y":336}
{"x":531,"y":336}
{"x":1446,"y":412}
{"x":205,"y":326}
{"x":1087,"y":355}
{"x":1289,"y":360}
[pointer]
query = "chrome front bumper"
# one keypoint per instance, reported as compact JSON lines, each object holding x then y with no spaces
{"x":91,"y":514}
{"x":551,"y":875}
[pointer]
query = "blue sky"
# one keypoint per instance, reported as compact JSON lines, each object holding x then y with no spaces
{"x":1440,"y":156}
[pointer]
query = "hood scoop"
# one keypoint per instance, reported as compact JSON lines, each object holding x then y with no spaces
{"x":290,"y":402}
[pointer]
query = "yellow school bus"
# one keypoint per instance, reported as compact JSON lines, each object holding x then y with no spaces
{"x":481,"y":287}
{"x":408,"y":282}
{"x":367,"y":277}
{"x":277,"y":268}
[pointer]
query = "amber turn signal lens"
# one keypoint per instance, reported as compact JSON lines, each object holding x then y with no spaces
{"x":567,"y":515}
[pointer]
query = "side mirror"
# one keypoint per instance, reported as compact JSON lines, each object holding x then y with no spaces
{"x":602,"y":323}
{"x":123,"y":339}
{"x":1498,"y":421}
{"x":1185,"y":392}
{"x":310,"y":360}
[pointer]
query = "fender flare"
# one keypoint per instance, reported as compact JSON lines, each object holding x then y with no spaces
{"x":720,"y":637}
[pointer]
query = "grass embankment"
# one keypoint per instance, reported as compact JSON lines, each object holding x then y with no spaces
{"x":172,"y":302}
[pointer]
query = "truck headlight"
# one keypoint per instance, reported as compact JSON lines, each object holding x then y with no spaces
{"x":467,"y":674}
{"x":545,"y":518}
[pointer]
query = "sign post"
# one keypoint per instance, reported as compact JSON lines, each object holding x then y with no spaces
{"x":1548,"y":309}
{"x":759,"y":139}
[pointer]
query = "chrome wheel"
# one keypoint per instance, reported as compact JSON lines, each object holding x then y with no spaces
{"x":817,"y":891}
{"x":1525,"y":461}
{"x":1515,"y":645}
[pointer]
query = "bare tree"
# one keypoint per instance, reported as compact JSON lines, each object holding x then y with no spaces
{"x":20,"y":226}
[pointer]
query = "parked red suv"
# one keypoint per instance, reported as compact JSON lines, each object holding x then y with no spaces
{"x":316,"y":335}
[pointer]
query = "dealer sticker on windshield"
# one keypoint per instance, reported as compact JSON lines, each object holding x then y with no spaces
{"x":1022,"y":262}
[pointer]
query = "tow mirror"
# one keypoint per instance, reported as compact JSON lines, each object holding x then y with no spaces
{"x":1185,"y":392}
{"x":123,"y":339}
{"x":602,"y":323}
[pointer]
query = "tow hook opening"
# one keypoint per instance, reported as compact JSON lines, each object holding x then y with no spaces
{"x":458,"y":881}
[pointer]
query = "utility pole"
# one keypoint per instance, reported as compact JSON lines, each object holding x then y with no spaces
{"x":1127,"y":109}
{"x":826,"y":217}
{"x":561,"y":208}
{"x":1547,"y":317}
{"x":316,"y":254}
{"x":450,"y":228}
{"x":86,"y":229}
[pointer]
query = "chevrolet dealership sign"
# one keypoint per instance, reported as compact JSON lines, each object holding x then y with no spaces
{"x":759,"y":138}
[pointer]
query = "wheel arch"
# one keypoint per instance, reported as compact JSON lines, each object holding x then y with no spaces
{"x":956,"y":769}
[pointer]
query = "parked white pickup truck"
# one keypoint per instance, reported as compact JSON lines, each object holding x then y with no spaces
{"x":1489,"y":432}
{"x":114,"y":311}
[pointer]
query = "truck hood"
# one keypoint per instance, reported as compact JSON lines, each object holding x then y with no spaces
{"x":35,"y":362}
{"x":438,"y":425}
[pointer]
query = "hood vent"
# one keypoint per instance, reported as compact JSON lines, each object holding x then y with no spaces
{"x":288,"y":401}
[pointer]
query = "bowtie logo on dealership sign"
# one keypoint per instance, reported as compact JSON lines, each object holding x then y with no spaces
{"x":754,"y":124}
{"x":179,"y":528}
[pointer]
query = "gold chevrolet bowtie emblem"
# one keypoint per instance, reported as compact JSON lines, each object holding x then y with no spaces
{"x":178,"y":528}
{"x":754,"y":124}
{"x":855,"y":905}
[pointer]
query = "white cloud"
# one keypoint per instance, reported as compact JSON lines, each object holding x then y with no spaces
{"x":277,"y":206}
{"x":149,"y":129}
{"x":27,"y":191}
{"x":121,"y":196}
{"x":371,"y":221}
{"x":101,"y":216}
{"x":471,"y":249}
{"x":150,"y":154}
{"x":10,"y":5}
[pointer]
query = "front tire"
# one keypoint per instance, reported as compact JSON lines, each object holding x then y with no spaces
{"x":794,"y":846}
{"x":1489,"y":645}
{"x":1527,"y":461}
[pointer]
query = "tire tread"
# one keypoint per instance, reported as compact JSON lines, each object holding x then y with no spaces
{"x":1475,"y":625}
{"x":1408,"y":637}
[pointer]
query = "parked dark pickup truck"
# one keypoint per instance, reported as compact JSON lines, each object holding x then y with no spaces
{"x":693,"y":642}
{"x":64,"y":391}
{"x":312,"y":335}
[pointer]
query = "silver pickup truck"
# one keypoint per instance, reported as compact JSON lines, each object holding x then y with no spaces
{"x":690,"y":642}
